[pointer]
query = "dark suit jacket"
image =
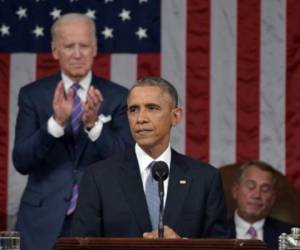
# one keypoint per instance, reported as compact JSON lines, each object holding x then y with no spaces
{"x":52,"y":164}
{"x":112,"y":202}
{"x":272,"y":229}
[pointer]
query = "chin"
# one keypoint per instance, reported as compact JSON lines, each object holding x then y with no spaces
{"x":79,"y":75}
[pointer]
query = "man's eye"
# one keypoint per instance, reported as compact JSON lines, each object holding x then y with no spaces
{"x":153,"y":107}
{"x":84,"y":46}
{"x":68,"y":46}
{"x":266,"y":188}
{"x":250,"y":185}
{"x":132,"y":110}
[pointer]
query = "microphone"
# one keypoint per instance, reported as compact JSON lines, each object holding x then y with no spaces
{"x":160,"y":172}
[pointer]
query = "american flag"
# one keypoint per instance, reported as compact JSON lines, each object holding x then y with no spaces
{"x":235,"y":64}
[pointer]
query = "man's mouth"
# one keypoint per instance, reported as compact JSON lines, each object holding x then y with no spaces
{"x":143,"y":131}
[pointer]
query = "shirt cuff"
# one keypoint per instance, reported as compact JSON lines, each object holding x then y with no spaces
{"x":54,"y":128}
{"x":95,"y":131}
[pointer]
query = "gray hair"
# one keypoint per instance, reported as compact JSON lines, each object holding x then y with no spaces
{"x":260,"y":165}
{"x":159,"y":82}
{"x":69,"y":18}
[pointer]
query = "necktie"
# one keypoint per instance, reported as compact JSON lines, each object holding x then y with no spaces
{"x":75,"y":124}
{"x":152,"y":197}
{"x":73,"y":201}
{"x":76,"y":110}
{"x":252,"y":232}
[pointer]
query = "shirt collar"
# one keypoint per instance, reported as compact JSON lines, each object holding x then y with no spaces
{"x":84,"y":82}
{"x":244,"y":225}
{"x":144,"y":159}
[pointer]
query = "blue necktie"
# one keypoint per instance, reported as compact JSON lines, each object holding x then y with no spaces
{"x":75,"y":124}
{"x":152,"y":197}
{"x":73,"y":201}
{"x":77,"y":110}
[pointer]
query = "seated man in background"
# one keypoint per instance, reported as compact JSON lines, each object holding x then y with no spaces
{"x":254,"y":193}
{"x":114,"y":199}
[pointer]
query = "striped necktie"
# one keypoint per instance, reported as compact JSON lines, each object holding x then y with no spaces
{"x":73,"y":201}
{"x":77,"y":110}
{"x":75,"y":124}
{"x":152,"y":197}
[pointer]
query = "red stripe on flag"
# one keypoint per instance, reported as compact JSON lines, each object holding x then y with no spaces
{"x":46,"y":65}
{"x":148,"y":65}
{"x":4,"y":135}
{"x":293,"y":92}
{"x":248,"y":72}
{"x":198,"y":79}
{"x":102,"y":65}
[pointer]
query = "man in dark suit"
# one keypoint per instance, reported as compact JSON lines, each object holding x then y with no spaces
{"x":255,"y":195}
{"x":114,"y":197}
{"x":65,"y":123}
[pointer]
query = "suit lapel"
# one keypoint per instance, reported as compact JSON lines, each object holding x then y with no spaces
{"x":131,"y":183}
{"x":179,"y":184}
{"x":269,"y":234}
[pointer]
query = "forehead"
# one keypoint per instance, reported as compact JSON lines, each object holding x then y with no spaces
{"x":256,"y":174}
{"x":148,"y":94}
{"x":73,"y":29}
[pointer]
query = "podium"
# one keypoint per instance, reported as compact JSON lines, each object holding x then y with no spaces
{"x":78,"y":243}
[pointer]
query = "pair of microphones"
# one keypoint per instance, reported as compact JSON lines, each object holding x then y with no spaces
{"x":160,"y":172}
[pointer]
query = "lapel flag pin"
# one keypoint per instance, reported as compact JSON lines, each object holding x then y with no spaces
{"x":182,"y":182}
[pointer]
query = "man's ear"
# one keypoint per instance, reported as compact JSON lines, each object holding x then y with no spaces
{"x":274,"y":197}
{"x":95,"y":50}
{"x":54,"y":51}
{"x":177,"y":115}
{"x":234,"y":190}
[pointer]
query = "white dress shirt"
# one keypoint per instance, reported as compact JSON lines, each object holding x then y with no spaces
{"x":144,"y":160}
{"x":242,"y":226}
{"x":55,"y":129}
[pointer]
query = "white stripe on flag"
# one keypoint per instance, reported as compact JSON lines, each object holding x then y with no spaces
{"x":272,"y":83}
{"x":223,"y":82}
{"x":173,"y":58}
{"x":22,"y":71}
{"x":124,"y":69}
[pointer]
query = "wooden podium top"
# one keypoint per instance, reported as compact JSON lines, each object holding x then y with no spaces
{"x":74,"y":243}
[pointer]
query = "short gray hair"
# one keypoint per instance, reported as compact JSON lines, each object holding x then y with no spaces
{"x":69,"y":18}
{"x":264,"y":166}
{"x":159,"y":82}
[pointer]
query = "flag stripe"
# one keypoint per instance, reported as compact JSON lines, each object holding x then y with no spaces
{"x":22,"y":71}
{"x":223,"y":82}
{"x":46,"y":65}
{"x":124,"y":69}
{"x":272,"y":83}
{"x":4,"y":129}
{"x":102,"y":65}
{"x":148,"y":65}
{"x":197,"y":84}
{"x":293,"y":92}
{"x":248,"y":71}
{"x":173,"y":59}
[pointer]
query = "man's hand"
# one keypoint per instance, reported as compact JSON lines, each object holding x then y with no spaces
{"x":62,"y":105}
{"x":91,"y":107}
{"x":169,"y":233}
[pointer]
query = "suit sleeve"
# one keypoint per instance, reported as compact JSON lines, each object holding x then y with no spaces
{"x":87,"y":217}
{"x":32,"y":141}
{"x":216,"y":223}
{"x":115,"y":136}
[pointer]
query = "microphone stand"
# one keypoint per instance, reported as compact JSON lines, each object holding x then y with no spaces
{"x":161,"y":208}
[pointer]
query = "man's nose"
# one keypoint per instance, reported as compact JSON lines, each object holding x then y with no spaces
{"x":77,"y":51}
{"x":257,"y":192}
{"x":142,"y":116}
